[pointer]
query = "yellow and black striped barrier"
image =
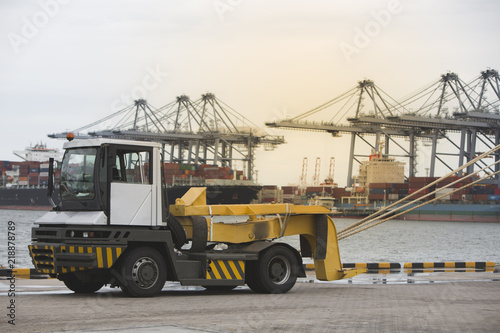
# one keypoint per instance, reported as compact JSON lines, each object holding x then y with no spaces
{"x":369,"y":266}
{"x":448,"y":270}
{"x":373,"y":265}
{"x":450,"y":264}
{"x":23,"y":273}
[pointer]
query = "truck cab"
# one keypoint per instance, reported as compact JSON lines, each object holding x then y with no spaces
{"x":113,"y":178}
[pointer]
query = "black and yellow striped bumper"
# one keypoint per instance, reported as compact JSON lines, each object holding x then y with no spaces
{"x":225,"y":270}
{"x":52,"y":259}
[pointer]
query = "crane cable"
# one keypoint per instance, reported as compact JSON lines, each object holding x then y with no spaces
{"x":483,"y":155}
{"x":372,"y":223}
{"x":348,"y":229}
{"x":363,"y":223}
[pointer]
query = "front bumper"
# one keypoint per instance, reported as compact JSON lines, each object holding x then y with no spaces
{"x":56,"y":259}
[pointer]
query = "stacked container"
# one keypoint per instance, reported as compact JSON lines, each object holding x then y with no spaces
{"x":44,"y":174}
{"x":382,"y":191}
{"x":317,"y":191}
{"x":171,"y":170}
{"x":289,"y":193}
{"x":339,"y":192}
{"x":416,"y":183}
{"x":270,"y":193}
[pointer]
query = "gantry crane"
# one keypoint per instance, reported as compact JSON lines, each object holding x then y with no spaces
{"x":438,"y":111}
{"x":205,"y":131}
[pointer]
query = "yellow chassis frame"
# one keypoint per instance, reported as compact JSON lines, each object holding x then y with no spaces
{"x":265,"y":222}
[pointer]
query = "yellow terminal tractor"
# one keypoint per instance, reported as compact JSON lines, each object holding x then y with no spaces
{"x":114,"y":226}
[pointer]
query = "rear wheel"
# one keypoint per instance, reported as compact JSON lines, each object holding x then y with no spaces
{"x":274,"y":272}
{"x":251,"y":276}
{"x":81,"y":284}
{"x":143,"y":272}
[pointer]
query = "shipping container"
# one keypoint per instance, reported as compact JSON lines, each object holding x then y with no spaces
{"x":413,"y":190}
{"x":373,"y":197}
{"x":482,"y":190}
{"x":401,"y":186}
{"x":393,"y":196}
{"x":289,"y":189}
{"x":417,"y":185}
{"x":380,"y":191}
{"x":440,"y":191}
{"x":382,"y":185}
{"x":426,"y":180}
{"x":480,"y":197}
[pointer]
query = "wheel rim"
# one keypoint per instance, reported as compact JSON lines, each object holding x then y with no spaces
{"x":145,"y":273}
{"x":279,"y":270}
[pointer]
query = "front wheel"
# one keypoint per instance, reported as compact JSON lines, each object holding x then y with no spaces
{"x":81,"y":284}
{"x":144,"y":272}
{"x":274,"y":272}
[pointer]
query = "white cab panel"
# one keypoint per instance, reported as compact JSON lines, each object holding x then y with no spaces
{"x":97,"y":218}
{"x":131,"y":204}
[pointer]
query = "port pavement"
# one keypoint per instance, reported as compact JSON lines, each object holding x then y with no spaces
{"x":434,"y":302}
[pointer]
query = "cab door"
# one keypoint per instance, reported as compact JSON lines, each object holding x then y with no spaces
{"x":132,"y":194}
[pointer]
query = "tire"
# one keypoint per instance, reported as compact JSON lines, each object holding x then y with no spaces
{"x":178,"y":232}
{"x":81,"y":286}
{"x":143,"y":272}
{"x":251,"y":277}
{"x":274,"y":272}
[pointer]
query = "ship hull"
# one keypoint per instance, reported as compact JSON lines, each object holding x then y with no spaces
{"x":455,"y":213}
{"x":441,"y":212}
{"x":36,"y":198}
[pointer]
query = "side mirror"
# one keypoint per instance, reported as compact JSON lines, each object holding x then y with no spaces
{"x":50,"y":190}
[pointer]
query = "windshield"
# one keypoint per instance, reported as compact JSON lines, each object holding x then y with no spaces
{"x":77,"y":174}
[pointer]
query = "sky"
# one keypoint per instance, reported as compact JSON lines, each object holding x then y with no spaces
{"x":65,"y":64}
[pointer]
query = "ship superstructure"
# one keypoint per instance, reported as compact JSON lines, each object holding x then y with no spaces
{"x":39,"y":153}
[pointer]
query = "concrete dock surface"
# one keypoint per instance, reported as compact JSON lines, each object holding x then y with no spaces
{"x":428,"y":302}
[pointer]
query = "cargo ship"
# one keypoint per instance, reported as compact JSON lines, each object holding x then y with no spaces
{"x":23,"y":185}
{"x":381,"y":182}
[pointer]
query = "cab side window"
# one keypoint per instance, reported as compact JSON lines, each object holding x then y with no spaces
{"x":132,"y":167}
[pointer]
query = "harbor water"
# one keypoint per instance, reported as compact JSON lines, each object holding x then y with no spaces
{"x":393,"y":241}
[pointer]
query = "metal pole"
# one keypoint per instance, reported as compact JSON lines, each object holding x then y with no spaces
{"x":351,"y":160}
{"x":433,"y":152}
{"x":472,"y":149}
{"x":461,"y":156}
{"x":412,"y":166}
